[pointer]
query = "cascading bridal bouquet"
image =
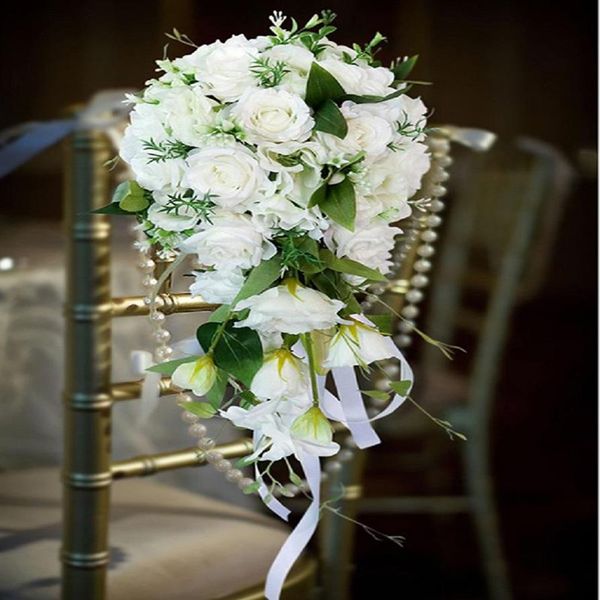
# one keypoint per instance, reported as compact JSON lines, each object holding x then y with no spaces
{"x":280,"y":163}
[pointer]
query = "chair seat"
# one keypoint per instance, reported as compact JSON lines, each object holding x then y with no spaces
{"x":165,"y":543}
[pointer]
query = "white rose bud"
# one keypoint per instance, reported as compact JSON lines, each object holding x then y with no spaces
{"x":219,"y":287}
{"x":198,"y":376}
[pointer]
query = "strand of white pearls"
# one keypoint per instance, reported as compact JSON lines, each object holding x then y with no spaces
{"x":424,"y":235}
{"x":147,"y":266}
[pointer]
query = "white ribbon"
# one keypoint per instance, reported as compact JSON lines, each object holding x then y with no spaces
{"x":302,"y":533}
{"x":141,"y":361}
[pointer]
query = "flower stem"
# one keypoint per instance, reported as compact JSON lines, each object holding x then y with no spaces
{"x":308,"y":346}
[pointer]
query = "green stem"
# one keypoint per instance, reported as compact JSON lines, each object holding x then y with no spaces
{"x":307,"y":343}
{"x":218,"y":334}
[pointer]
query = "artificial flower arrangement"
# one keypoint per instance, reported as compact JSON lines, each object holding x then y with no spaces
{"x":281,"y":164}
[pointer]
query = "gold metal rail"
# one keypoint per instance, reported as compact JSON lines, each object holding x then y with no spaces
{"x":140,"y":466}
{"x":131,"y":390}
{"x":134,"y":306}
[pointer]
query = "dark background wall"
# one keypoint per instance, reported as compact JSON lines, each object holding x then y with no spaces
{"x":509,"y":66}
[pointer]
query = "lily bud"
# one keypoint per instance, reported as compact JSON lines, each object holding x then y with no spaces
{"x":198,"y":376}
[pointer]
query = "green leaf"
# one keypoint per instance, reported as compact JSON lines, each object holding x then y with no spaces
{"x":245,"y":461}
{"x":331,"y":284}
{"x":401,"y":387}
{"x":204,"y":410}
{"x":259,"y":279}
{"x":215,"y":395}
{"x":372,"y":99}
{"x":168,"y":368}
{"x":295,"y":479}
{"x":205,"y":334}
{"x":382,"y":322}
{"x":349,"y":266}
{"x":329,"y":119}
{"x":111,"y":209}
{"x":402,"y":69}
{"x":239,"y":352}
{"x":339,"y":203}
{"x":376,"y":394}
{"x":130,"y":197}
{"x":321,"y":86}
{"x":318,"y":196}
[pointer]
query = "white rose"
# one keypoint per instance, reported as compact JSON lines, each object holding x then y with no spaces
{"x":169,"y":220}
{"x":188,"y":114}
{"x":370,"y":245}
{"x":162,"y":175}
{"x":412,"y":116}
{"x":219,"y":287}
{"x":360,"y":79}
{"x":298,"y":61}
{"x":282,"y":375}
{"x":358,"y":344}
{"x":396,"y":177}
{"x":366,"y":132}
{"x":230,"y":173}
{"x":223,"y":68}
{"x":290,"y":308}
{"x":277,"y":212}
{"x":231,"y":241}
{"x":272,"y":116}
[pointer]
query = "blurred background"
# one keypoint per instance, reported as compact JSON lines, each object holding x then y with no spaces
{"x":524,"y":70}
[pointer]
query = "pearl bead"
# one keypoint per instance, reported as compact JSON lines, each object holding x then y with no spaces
{"x":419,"y":280}
{"x":292,"y":489}
{"x":213,"y":457}
{"x":444,"y":161}
{"x":403,"y":341}
{"x":157,"y":316}
{"x":383,"y":384}
{"x":436,"y":206}
{"x":188,"y":417}
{"x":392,"y":370}
{"x":414,"y":296}
{"x":181,"y":397}
{"x":333,"y":466}
{"x":223,"y":466}
{"x":345,"y":455}
{"x":429,"y":236}
{"x":233,"y":475}
{"x":442,"y":175}
{"x":244,"y":482}
{"x":406,"y":326}
{"x":324,"y":476}
{"x":163,"y":353}
{"x":205,"y":443}
{"x":426,"y":250}
{"x":410,"y":311}
{"x":147,"y":265}
{"x":197,"y":430}
{"x":434,"y":220}
{"x":439,"y":190}
{"x":161,"y":335}
{"x":149,"y":281}
{"x":422,"y":266}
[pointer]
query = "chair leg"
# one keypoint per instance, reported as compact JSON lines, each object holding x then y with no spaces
{"x":337,"y":535}
{"x":485,"y":515}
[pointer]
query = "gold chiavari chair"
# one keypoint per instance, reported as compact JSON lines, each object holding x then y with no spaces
{"x":164,"y":542}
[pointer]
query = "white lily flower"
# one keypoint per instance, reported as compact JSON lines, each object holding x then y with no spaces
{"x":282,"y":375}
{"x":358,"y":344}
{"x":198,"y":376}
{"x":290,"y":308}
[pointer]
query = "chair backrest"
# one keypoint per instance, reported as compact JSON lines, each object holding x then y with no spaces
{"x":505,"y":211}
{"x":89,"y":393}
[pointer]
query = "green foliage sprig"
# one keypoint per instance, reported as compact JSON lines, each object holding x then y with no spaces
{"x":269,"y":74}
{"x":165,"y":150}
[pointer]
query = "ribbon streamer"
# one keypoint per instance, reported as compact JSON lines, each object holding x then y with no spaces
{"x":302,"y":533}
